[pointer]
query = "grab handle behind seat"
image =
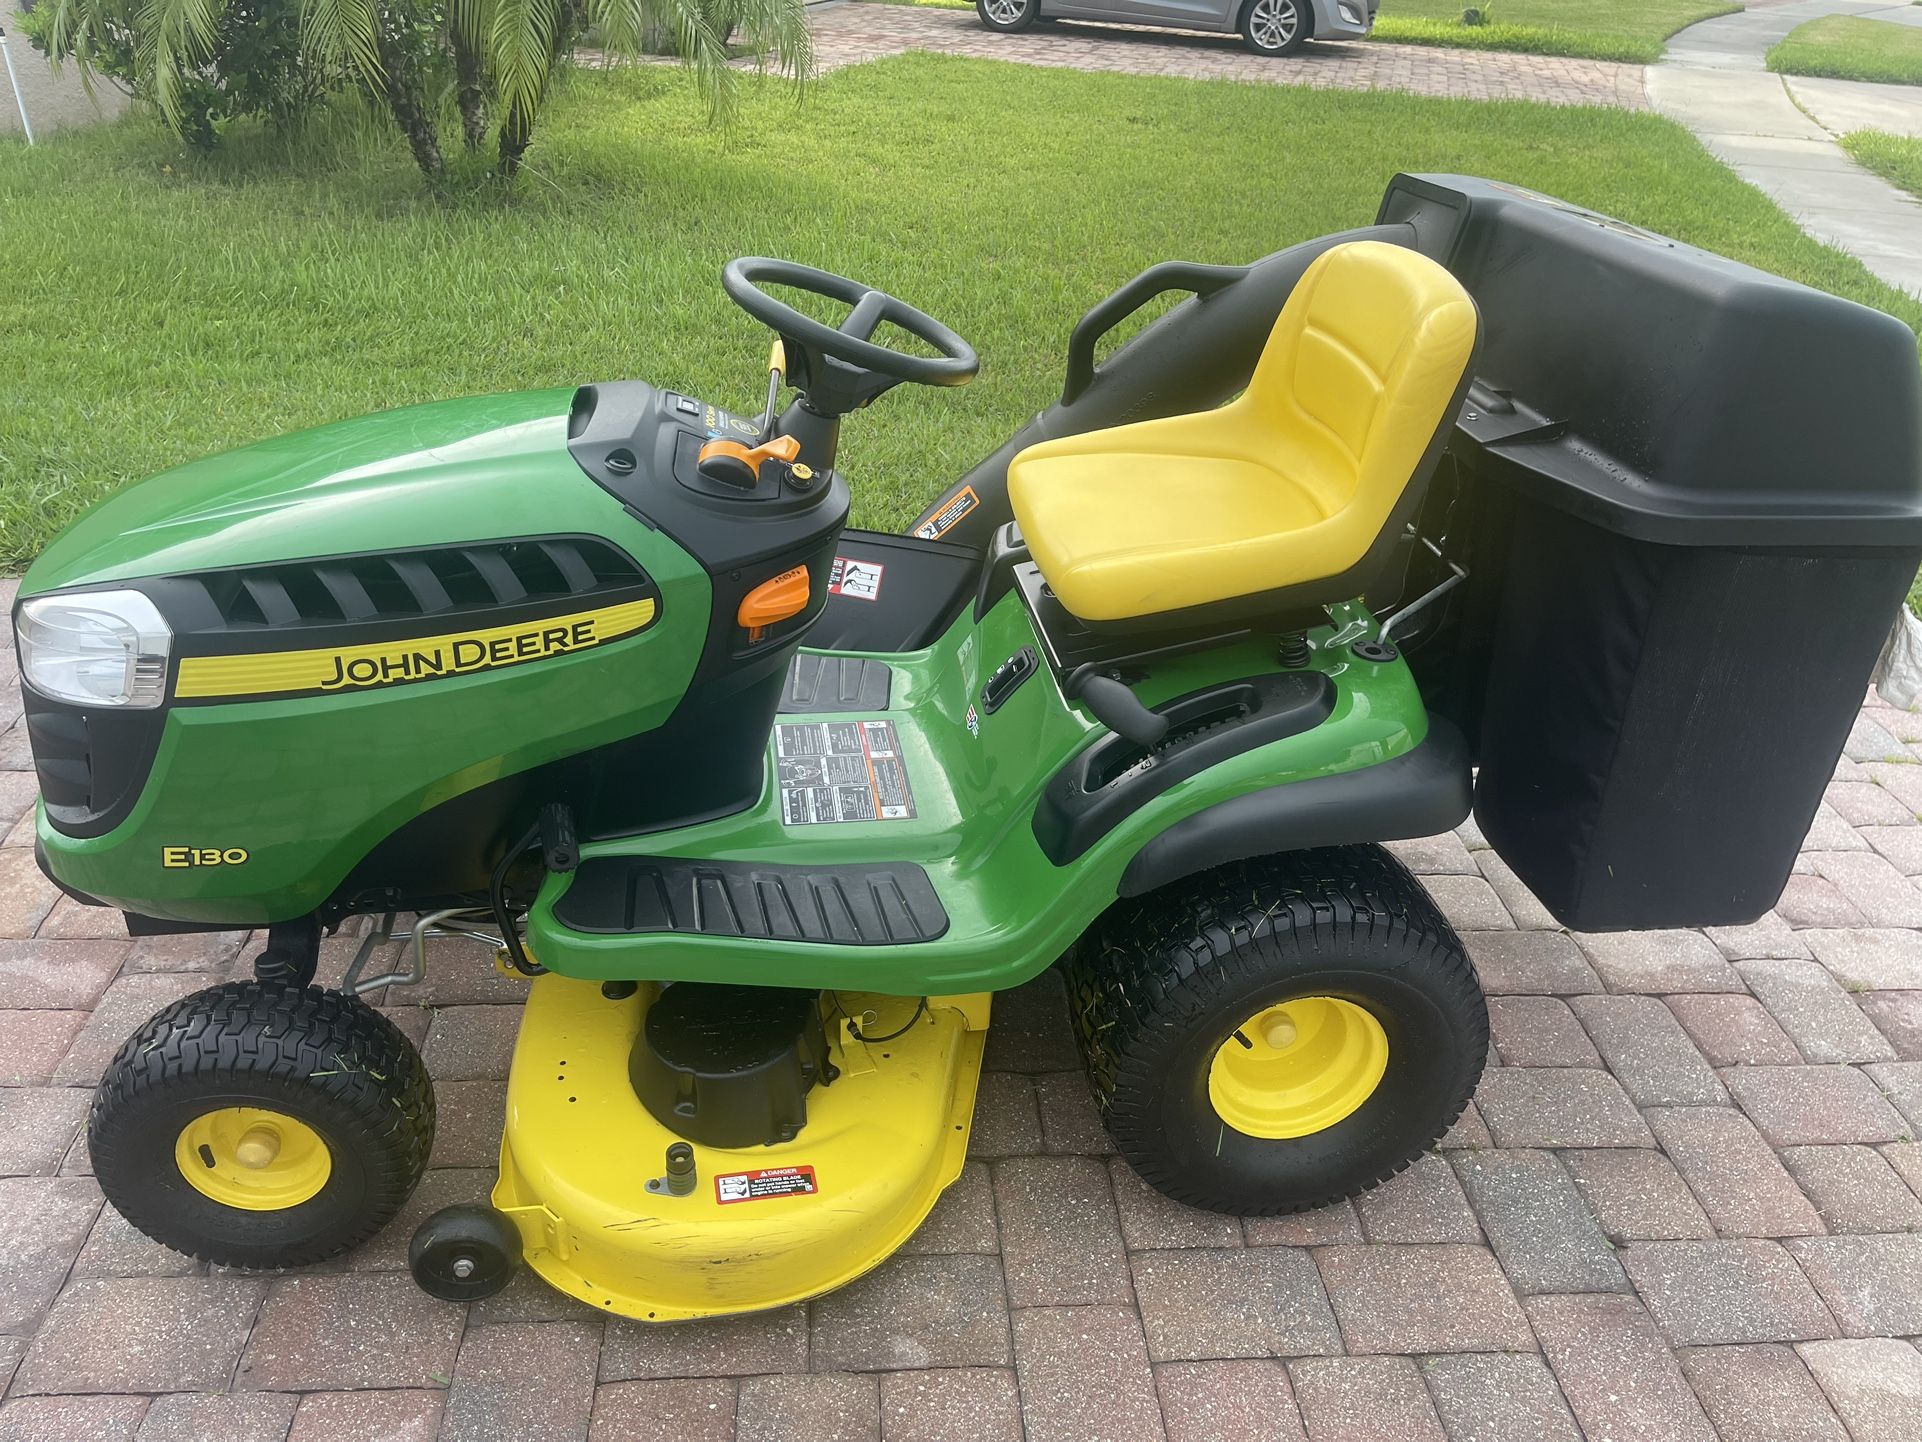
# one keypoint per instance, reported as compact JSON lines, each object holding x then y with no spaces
{"x":1200,"y":280}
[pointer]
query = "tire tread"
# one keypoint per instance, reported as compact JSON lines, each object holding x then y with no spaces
{"x":1152,"y":964}
{"x":241,"y":1030}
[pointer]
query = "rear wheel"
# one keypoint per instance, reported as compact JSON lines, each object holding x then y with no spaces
{"x":1274,"y":27}
{"x":1280,"y":1033}
{"x":262,"y":1125}
{"x":1008,"y":16}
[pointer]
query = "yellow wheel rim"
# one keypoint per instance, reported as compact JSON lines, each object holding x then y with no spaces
{"x":1297,"y":1067}
{"x":252,"y":1159}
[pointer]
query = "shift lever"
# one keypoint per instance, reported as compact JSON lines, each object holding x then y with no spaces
{"x":1115,"y":705}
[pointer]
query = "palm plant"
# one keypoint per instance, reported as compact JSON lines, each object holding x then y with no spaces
{"x":501,"y":51}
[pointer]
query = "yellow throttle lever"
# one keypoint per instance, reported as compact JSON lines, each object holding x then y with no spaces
{"x":734,"y":464}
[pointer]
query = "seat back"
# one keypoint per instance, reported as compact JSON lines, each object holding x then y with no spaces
{"x":1363,"y":367}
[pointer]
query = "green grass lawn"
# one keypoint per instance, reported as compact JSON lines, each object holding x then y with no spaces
{"x":1847,"y":47}
{"x":156,"y":307}
{"x":1630,"y":30}
{"x":1896,"y":158}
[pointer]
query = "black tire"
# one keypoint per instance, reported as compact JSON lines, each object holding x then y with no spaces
{"x":465,"y":1252}
{"x":328,"y":1061}
{"x":1016,"y":15}
{"x":1161,"y":983}
{"x":1276,"y":27}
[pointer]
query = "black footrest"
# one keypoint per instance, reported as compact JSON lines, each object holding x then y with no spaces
{"x":871,"y":905}
{"x":836,"y":683}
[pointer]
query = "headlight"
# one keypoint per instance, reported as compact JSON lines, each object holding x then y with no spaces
{"x":100,"y":648}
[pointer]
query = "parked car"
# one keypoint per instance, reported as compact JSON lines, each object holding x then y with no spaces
{"x":1267,"y":27}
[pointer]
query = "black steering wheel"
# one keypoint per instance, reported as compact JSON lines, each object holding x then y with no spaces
{"x":841,"y":368}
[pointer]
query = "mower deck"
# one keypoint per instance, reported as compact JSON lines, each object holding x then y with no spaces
{"x":582,"y":1160}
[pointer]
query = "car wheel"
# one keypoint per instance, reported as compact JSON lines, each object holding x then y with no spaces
{"x":1274,"y":27}
{"x":1008,"y":16}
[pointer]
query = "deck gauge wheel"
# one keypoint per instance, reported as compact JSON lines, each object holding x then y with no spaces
{"x":465,"y":1252}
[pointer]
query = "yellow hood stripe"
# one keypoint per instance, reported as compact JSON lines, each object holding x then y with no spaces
{"x":418,"y":658}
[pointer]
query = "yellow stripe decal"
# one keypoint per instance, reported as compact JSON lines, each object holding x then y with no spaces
{"x":422,"y":658}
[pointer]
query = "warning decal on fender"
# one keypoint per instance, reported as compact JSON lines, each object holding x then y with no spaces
{"x":943,"y":520}
{"x":841,"y":771}
{"x":771,"y":1182}
{"x":859,"y":579}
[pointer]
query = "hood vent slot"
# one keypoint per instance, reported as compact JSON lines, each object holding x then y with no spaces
{"x":398,"y":585}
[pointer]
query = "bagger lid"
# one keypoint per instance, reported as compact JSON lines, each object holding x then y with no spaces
{"x":1669,"y":394}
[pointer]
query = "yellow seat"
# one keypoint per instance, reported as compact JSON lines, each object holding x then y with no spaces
{"x":1291,"y":484}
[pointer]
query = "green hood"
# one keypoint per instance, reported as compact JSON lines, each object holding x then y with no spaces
{"x":446,"y":472}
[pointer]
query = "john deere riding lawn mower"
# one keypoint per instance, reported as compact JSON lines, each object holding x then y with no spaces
{"x":1496,"y":502}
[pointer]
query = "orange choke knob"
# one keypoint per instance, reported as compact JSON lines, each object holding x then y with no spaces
{"x":774,"y":600}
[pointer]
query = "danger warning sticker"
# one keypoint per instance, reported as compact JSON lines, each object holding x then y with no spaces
{"x":842,"y":771}
{"x":953,"y":510}
{"x":859,"y":579}
{"x":758,"y":1186}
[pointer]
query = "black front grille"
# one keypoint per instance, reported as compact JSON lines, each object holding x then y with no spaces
{"x":91,"y":764}
{"x":63,"y":758}
{"x":398,"y":585}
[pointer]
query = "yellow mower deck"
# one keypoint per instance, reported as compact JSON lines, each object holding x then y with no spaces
{"x":763,"y":1226}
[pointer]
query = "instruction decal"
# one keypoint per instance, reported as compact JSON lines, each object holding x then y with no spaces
{"x":722,"y":423}
{"x":859,"y":579}
{"x":842,"y":771}
{"x":943,"y":520}
{"x":769,"y":1182}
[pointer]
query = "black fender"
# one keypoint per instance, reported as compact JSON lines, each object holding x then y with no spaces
{"x":1422,"y":792}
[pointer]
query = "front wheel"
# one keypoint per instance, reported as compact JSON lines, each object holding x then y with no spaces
{"x":258,"y":1124}
{"x":1277,"y":1034}
{"x":1008,"y":16}
{"x":1274,"y":27}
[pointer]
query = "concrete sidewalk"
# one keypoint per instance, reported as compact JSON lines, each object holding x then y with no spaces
{"x":1840,"y":106}
{"x":1780,"y":135}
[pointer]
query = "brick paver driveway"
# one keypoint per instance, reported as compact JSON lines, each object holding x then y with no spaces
{"x":1685,"y":1204}
{"x":847,"y":33}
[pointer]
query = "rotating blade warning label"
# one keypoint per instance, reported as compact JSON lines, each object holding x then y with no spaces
{"x":771,"y":1182}
{"x":842,"y":771}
